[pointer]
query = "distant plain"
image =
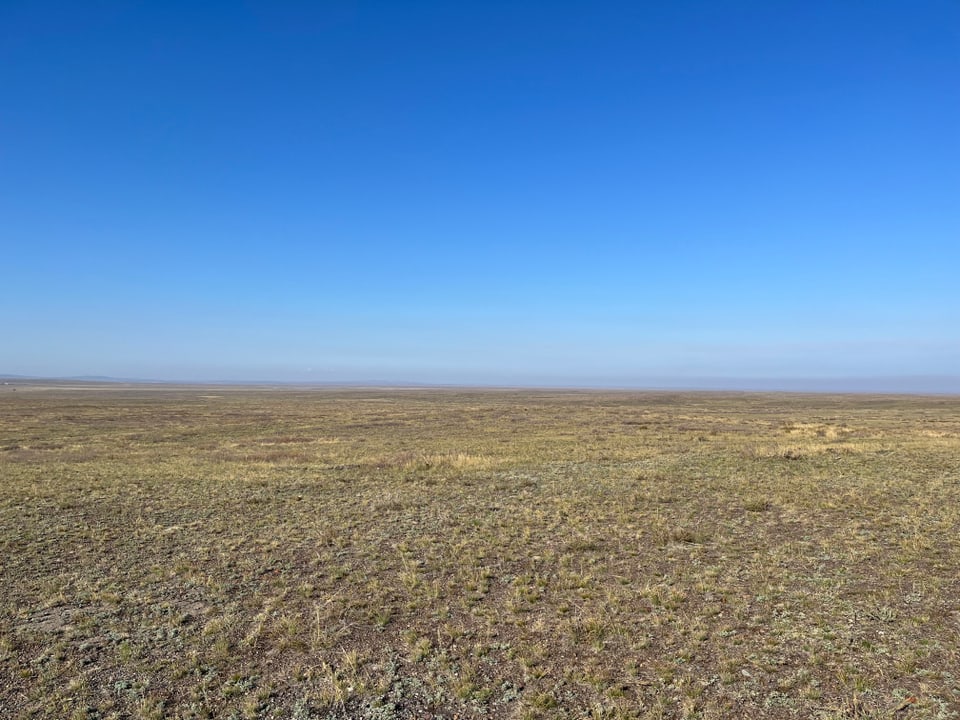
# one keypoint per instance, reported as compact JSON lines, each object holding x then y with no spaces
{"x":248,"y":552}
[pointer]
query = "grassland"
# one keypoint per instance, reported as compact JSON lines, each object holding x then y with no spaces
{"x":254,"y":553}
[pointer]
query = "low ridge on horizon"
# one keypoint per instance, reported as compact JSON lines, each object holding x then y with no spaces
{"x":920,"y":385}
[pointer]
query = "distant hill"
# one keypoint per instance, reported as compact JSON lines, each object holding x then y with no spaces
{"x":74,"y":378}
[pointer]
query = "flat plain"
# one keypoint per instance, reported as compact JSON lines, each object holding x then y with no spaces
{"x":248,"y":552}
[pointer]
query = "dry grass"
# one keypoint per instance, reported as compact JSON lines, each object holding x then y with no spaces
{"x":247,"y":553}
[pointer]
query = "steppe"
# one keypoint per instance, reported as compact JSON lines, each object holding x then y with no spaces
{"x":256,"y":552}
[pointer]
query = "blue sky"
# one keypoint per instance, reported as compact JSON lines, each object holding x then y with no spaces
{"x":481,"y":192}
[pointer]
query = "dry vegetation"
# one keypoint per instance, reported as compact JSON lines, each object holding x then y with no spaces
{"x":248,"y":553}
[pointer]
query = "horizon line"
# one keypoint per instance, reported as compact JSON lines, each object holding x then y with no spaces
{"x":941,"y":385}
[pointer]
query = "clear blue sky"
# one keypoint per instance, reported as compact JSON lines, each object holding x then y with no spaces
{"x":480,"y":192}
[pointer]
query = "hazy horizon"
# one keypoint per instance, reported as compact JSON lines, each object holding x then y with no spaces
{"x":477,"y":193}
{"x":918,"y":385}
